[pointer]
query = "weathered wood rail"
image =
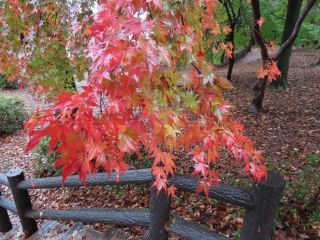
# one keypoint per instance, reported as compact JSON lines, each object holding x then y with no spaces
{"x":260,"y":202}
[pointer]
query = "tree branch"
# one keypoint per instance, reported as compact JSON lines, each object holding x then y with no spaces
{"x":197,"y":69}
{"x":239,"y":11}
{"x":296,"y":29}
{"x":232,"y":9}
{"x":255,"y":5}
{"x":228,"y":11}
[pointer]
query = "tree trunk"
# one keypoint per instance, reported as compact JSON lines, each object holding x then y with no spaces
{"x":259,"y":85}
{"x":231,"y":60}
{"x":222,"y":58}
{"x":258,"y":91}
{"x":230,"y":68}
{"x":293,"y":12}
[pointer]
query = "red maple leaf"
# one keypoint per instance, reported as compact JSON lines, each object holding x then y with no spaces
{"x":260,"y":21}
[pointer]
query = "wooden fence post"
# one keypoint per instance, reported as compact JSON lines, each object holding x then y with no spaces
{"x":259,"y":221}
{"x":22,"y":200}
{"x":159,"y":214}
{"x":5,"y":223}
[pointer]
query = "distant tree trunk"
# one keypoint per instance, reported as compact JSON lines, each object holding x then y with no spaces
{"x":293,"y":12}
{"x":222,"y":58}
{"x":252,"y":41}
{"x":230,"y":69}
{"x":231,"y":60}
{"x":233,"y":17}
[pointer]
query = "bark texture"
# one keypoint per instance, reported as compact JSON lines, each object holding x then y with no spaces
{"x":259,"y":85}
{"x":293,"y":12}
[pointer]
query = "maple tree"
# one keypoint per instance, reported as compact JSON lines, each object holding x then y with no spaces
{"x":39,"y":45}
{"x":149,"y":85}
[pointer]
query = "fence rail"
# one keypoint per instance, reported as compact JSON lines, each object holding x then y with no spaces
{"x":140,"y":176}
{"x":121,"y":217}
{"x":4,"y":180}
{"x":260,"y":202}
{"x":222,"y":192}
{"x":192,"y":230}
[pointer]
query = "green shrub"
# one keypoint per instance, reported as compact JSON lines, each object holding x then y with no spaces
{"x":5,"y":84}
{"x":138,"y":162}
{"x":12,"y":114}
{"x":306,"y":188}
{"x":43,"y":166}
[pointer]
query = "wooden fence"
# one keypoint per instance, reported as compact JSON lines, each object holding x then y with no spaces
{"x":260,"y":202}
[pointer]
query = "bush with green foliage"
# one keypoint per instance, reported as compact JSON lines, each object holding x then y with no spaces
{"x":274,"y":13}
{"x":6,"y":84}
{"x":12,"y":114}
{"x":308,"y":185}
{"x":43,"y":166}
{"x":306,"y":189}
{"x":142,"y":161}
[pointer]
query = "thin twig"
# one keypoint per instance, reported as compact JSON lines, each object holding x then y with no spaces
{"x":198,"y":70}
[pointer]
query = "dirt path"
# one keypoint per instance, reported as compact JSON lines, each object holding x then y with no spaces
{"x":252,"y":56}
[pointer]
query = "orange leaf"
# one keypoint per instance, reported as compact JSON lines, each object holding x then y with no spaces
{"x":227,"y":29}
{"x":229,"y":54}
{"x":171,"y":191}
{"x":274,"y":71}
{"x":224,"y":46}
{"x":262,"y":73}
{"x":223,"y":82}
{"x":231,"y":46}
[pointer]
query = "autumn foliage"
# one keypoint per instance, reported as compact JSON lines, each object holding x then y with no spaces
{"x":37,"y":44}
{"x":270,"y":70}
{"x":149,"y":85}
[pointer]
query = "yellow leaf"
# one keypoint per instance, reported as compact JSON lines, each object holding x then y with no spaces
{"x":223,"y":82}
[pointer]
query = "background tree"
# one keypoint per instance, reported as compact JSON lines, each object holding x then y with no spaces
{"x":234,"y":11}
{"x":293,"y":12}
{"x":235,"y":21}
{"x":270,"y":70}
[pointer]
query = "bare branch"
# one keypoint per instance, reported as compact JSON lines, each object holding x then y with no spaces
{"x":225,"y":4}
{"x":239,"y":12}
{"x":197,"y":69}
{"x":232,"y":9}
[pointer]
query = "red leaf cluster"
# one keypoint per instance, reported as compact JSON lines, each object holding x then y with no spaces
{"x":228,"y":48}
{"x":270,"y":70}
{"x":146,"y":79}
